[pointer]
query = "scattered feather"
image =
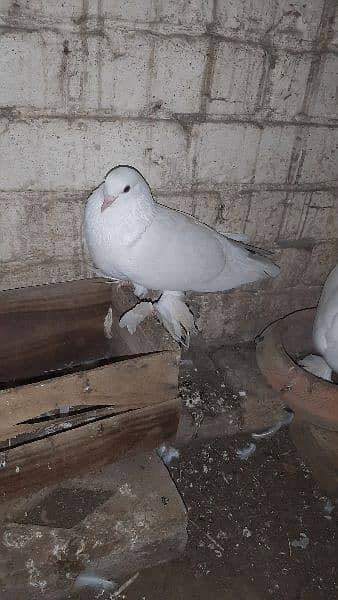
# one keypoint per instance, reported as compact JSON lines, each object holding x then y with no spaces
{"x":168,"y":453}
{"x":246,"y":452}
{"x":88,"y":579}
{"x":286,"y":420}
{"x":302,"y":543}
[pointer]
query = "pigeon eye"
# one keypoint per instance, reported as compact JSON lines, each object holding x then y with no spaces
{"x":126,"y":189}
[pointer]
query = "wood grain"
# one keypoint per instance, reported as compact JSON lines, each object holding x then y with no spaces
{"x":51,"y":327}
{"x":54,"y":327}
{"x":128,"y":384}
{"x":76,"y":451}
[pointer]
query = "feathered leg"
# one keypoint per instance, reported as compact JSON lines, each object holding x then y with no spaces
{"x":172,"y":311}
{"x":175,"y":316}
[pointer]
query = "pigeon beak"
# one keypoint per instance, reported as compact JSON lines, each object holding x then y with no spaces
{"x":108,"y":200}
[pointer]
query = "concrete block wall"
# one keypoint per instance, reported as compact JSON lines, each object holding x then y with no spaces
{"x":228,"y":107}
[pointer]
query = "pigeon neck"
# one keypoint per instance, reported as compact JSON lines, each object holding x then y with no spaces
{"x":130,"y":219}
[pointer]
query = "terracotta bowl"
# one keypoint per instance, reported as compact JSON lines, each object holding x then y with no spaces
{"x":278,"y":348}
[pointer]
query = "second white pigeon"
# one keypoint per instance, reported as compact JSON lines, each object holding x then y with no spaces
{"x":132,"y":237}
{"x":325,"y":329}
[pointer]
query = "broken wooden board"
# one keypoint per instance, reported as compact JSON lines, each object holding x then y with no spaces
{"x":124,"y":385}
{"x":50,"y":327}
{"x":113,"y":522}
{"x":68,"y":453}
{"x":89,"y":399}
{"x":60,"y":326}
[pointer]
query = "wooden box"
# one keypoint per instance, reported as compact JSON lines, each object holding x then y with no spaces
{"x":71,"y":398}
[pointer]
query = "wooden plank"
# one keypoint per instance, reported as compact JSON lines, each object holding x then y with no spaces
{"x":77,"y":526}
{"x":51,"y":327}
{"x":129,"y":384}
{"x":73,"y":452}
{"x":20,"y":434}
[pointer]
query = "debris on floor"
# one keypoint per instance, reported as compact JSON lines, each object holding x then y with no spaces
{"x":257,"y":529}
{"x":302,"y":543}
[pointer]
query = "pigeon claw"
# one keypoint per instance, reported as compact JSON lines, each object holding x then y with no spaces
{"x":135,"y":316}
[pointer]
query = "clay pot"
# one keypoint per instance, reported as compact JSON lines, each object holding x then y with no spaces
{"x":313,"y":400}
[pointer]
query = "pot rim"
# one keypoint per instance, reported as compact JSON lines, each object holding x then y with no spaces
{"x":308,"y":395}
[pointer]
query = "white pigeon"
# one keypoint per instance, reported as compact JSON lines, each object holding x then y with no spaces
{"x":130,"y":237}
{"x":325,"y":328}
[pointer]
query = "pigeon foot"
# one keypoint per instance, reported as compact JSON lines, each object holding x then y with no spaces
{"x":175,"y":316}
{"x":135,"y":316}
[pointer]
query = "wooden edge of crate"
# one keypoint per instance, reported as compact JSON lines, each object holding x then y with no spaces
{"x":78,"y":450}
{"x":50,"y":327}
{"x":125,"y":385}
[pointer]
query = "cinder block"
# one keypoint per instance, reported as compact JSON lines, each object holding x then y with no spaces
{"x":293,"y":262}
{"x":323,"y":258}
{"x":274,"y":154}
{"x":287,"y":86}
{"x":333,"y":42}
{"x":41,"y":226}
{"x":225,"y":153}
{"x":319,"y":155}
{"x":324,"y":102}
{"x":31,"y":68}
{"x":125,"y":71}
{"x":75,"y":155}
{"x":233,"y":211}
{"x":240,"y":315}
{"x":296,"y":207}
{"x":178,"y":74}
{"x":129,"y":10}
{"x":192,"y":16}
{"x":321,"y":221}
{"x":40,"y":13}
{"x":241,"y":153}
{"x":225,"y":212}
{"x":18,"y":274}
{"x":285,"y":20}
{"x":265,"y":216}
{"x":204,"y":207}
{"x":236,"y":79}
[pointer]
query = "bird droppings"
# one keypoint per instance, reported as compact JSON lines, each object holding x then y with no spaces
{"x":125,"y":490}
{"x":246,"y":532}
{"x":35,"y":579}
{"x":246,"y":452}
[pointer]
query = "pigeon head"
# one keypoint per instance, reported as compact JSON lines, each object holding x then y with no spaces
{"x":123,"y":183}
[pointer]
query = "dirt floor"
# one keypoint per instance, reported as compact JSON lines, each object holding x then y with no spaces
{"x":258,"y":528}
